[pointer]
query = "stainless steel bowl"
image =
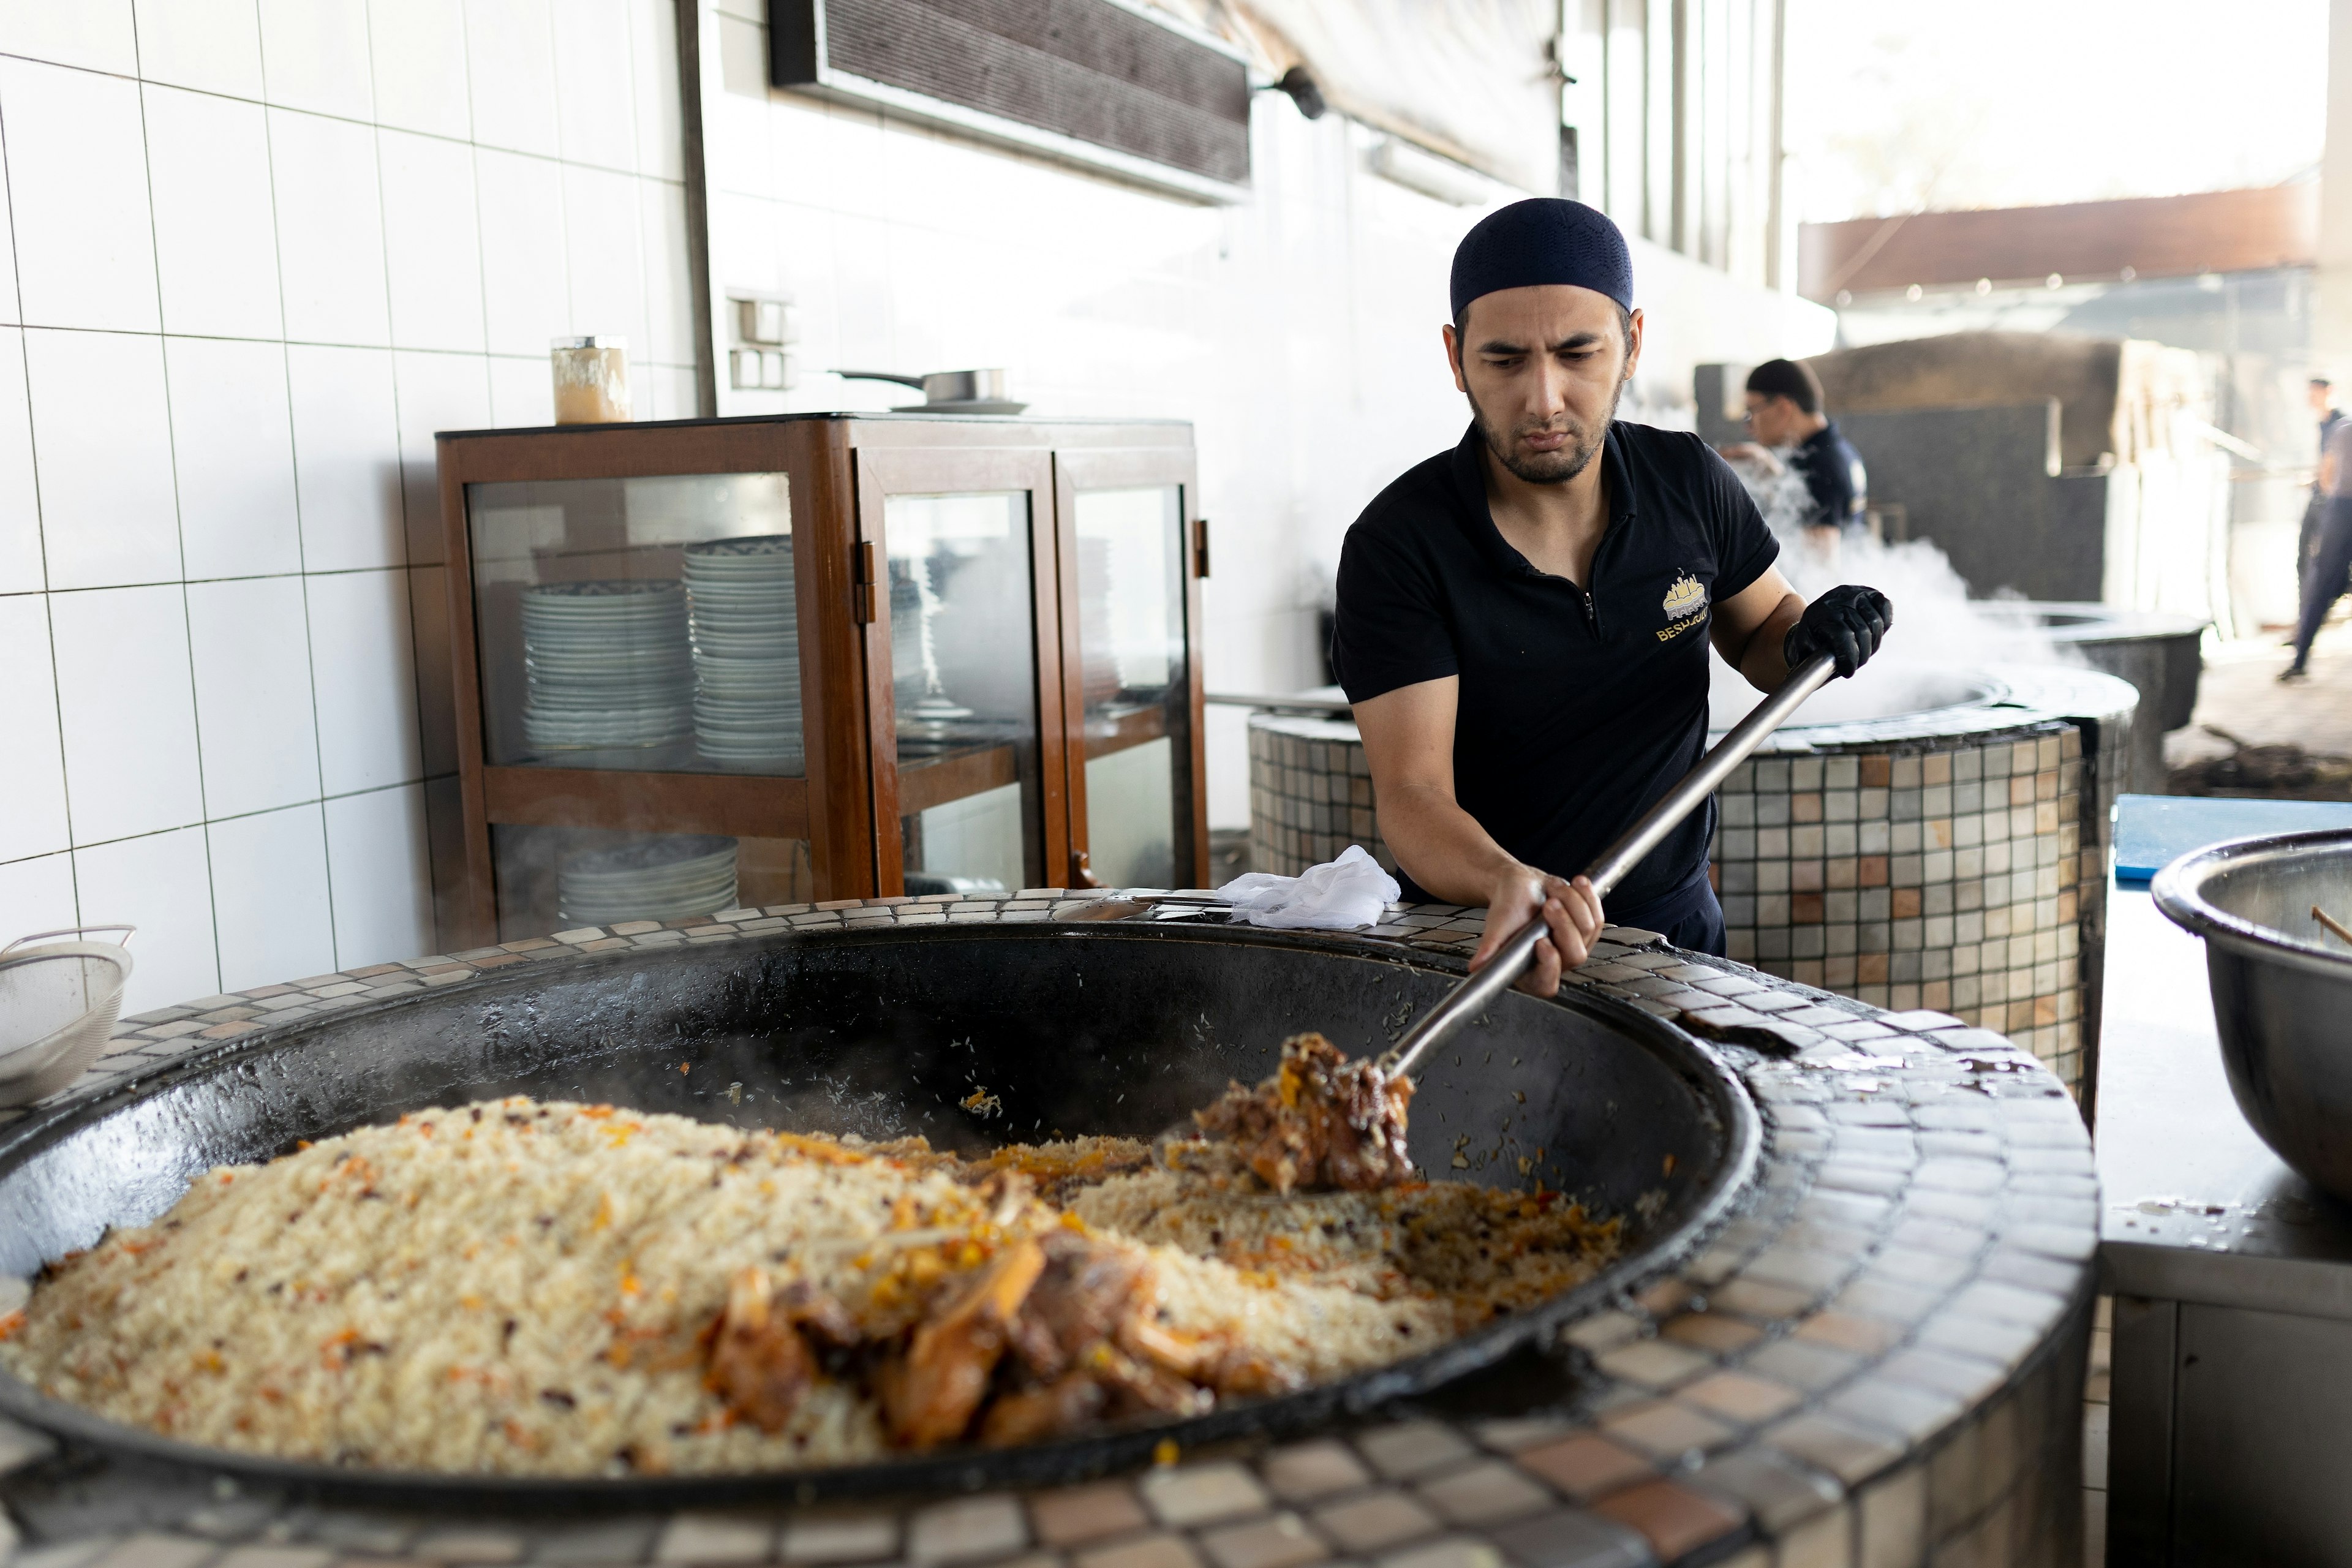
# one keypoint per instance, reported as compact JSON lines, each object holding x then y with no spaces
{"x":2281,"y":986}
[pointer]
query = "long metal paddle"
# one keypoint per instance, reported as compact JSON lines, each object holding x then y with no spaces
{"x":1472,"y":997}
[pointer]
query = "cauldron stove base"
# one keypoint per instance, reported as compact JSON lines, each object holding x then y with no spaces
{"x":1846,"y":1118}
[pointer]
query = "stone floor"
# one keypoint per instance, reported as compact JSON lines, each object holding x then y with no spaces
{"x":2240,"y":692}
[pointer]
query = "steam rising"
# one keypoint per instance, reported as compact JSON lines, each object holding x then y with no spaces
{"x":1939,"y":633}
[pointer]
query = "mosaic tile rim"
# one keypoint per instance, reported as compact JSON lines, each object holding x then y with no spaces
{"x":1891,"y":1335}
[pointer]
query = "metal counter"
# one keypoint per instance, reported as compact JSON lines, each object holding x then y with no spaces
{"x":2232,"y":1276}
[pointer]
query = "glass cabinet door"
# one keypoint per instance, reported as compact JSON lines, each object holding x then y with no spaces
{"x":629,"y":631}
{"x":1129,"y":571}
{"x":1131,"y":605}
{"x":959,"y":669}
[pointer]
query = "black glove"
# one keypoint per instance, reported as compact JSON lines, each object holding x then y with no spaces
{"x":1845,"y":623}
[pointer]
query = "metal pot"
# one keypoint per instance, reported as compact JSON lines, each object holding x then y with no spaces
{"x":2281,"y":986}
{"x":1094,"y":1028}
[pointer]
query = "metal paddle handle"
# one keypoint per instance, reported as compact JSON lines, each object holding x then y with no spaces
{"x":1471,"y":997}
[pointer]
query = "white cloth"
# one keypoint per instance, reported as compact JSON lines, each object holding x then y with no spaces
{"x":1345,"y":894}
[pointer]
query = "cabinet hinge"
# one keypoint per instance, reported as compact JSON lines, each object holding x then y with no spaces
{"x":861,"y":588}
{"x":1199,"y":547}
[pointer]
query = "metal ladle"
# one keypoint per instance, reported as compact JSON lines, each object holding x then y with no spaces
{"x":1474,"y":994}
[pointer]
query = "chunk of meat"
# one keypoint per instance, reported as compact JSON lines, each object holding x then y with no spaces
{"x":762,"y":1357}
{"x":1086,"y":1295}
{"x":1087,"y":1346}
{"x":1210,"y":1363}
{"x":1138,"y":1387}
{"x":1057,"y":1333}
{"x":1321,"y":1120}
{"x":930,"y":1394}
{"x":1074,"y":1400}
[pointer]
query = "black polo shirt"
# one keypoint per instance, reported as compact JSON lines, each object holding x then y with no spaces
{"x":1834,"y":477}
{"x":1577,"y":711}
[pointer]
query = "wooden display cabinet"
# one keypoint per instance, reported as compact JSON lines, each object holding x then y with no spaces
{"x":878,"y":653}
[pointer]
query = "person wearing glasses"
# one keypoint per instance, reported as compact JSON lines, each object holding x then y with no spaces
{"x":1791,"y":430}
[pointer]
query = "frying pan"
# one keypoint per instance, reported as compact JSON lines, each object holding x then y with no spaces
{"x":1076,"y":1029}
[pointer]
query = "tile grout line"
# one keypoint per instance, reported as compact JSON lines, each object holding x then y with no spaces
{"x":268,"y":103}
{"x":391,"y":333}
{"x":179,"y":518}
{"x":40,"y":530}
{"x":391,"y":326}
{"x":636,"y":198}
{"x":322,"y":801}
{"x":563,"y":212}
{"x":487,"y":356}
{"x":301,"y":343}
{"x":489,"y":389}
{"x":302,"y":531}
{"x":231,"y":577}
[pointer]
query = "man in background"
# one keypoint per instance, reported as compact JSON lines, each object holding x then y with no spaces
{"x":2325,"y":575}
{"x":2322,"y":394}
{"x":1786,"y":419}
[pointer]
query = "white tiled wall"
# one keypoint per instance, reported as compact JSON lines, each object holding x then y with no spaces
{"x":1298,"y":332}
{"x":256,"y":253}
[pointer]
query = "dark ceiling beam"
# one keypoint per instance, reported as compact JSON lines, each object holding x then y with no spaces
{"x":2154,"y":237}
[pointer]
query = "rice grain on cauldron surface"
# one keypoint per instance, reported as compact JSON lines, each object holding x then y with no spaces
{"x":522,"y":1288}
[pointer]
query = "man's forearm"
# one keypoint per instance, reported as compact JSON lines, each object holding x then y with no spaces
{"x":1442,"y":846}
{"x":1763,"y":661}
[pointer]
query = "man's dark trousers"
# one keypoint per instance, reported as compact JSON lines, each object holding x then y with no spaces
{"x":2324,"y":582}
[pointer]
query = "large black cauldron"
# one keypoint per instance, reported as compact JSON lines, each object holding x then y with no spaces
{"x":1094,"y":1028}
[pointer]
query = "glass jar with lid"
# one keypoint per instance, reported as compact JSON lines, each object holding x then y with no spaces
{"x":592,"y":380}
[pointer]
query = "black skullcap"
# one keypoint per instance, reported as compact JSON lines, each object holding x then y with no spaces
{"x":1543,"y":239}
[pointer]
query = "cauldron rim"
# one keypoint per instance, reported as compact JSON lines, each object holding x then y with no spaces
{"x":1721,"y":1093}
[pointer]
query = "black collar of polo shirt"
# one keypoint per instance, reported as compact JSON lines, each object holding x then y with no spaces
{"x":1478,"y":519}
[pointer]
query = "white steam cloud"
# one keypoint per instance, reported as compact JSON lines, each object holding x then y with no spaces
{"x":1939,"y":633}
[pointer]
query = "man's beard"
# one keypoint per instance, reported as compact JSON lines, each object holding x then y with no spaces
{"x":1546,"y":468}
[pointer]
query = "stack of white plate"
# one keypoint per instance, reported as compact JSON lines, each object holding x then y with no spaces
{"x":1097,"y":648}
{"x":747,"y":653}
{"x":667,"y":878}
{"x":909,"y":676}
{"x":605,"y":665}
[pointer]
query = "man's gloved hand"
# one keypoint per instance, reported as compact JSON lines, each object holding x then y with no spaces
{"x":1845,"y":623}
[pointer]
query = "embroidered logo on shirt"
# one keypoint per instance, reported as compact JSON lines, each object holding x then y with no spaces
{"x":1685,"y":596}
{"x":1686,"y":606}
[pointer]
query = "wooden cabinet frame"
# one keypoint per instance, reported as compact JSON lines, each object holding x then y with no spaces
{"x":840,"y":471}
{"x":1134,"y":468}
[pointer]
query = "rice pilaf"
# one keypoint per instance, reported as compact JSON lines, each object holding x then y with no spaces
{"x":526,"y":1288}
